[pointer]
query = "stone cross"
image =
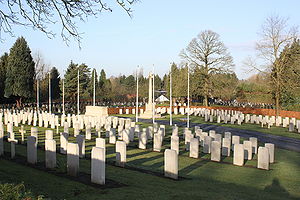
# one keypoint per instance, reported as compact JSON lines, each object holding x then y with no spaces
{"x":22,"y":131}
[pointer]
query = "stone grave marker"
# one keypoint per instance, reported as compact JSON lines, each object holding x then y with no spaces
{"x":81,"y":145}
{"x":31,"y":150}
{"x":63,"y":142}
{"x":247,"y":150}
{"x":120,"y":153}
{"x":271,"y":148}
{"x":171,"y":164}
{"x":50,"y":153}
{"x":215,"y":151}
{"x":72,"y":159}
{"x":226,"y":146}
{"x":98,"y":165}
{"x":263,"y":158}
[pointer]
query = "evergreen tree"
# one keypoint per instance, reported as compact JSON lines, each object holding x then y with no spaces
{"x":71,"y":79}
{"x":20,"y":72}
{"x":3,"y":66}
{"x":290,"y":78}
{"x":105,"y":86}
{"x":84,"y":79}
{"x":91,"y":85}
{"x":55,"y":79}
{"x":71,"y":82}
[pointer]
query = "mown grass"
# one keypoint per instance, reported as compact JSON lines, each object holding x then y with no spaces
{"x":199,"y":178}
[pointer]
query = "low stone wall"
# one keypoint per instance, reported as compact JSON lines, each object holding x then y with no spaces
{"x":256,"y":111}
{"x":112,"y":111}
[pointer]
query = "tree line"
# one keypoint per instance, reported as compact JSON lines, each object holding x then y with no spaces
{"x":205,"y":58}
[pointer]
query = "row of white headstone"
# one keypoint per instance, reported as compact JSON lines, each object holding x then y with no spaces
{"x":229,"y":116}
{"x":127,"y":130}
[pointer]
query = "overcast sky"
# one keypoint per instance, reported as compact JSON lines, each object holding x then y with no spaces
{"x":157,"y":32}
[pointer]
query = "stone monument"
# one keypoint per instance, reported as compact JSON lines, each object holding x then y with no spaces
{"x":96,"y":111}
{"x":148,"y":114}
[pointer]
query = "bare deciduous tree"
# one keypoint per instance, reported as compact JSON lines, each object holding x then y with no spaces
{"x":275,"y":35}
{"x":209,"y":54}
{"x":40,"y":14}
{"x":41,"y":68}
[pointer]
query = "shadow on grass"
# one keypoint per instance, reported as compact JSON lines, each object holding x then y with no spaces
{"x":277,"y":189}
{"x":143,"y":160}
{"x":190,"y":168}
{"x":137,"y":154}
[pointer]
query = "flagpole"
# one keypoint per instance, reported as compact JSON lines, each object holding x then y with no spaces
{"x":78,"y":92}
{"x":137,"y":96}
{"x":188,"y":99}
{"x":63,"y":82}
{"x":37,"y":95}
{"x":171,"y":122}
{"x":153,"y":106}
{"x":94,"y":95}
{"x":49,"y":92}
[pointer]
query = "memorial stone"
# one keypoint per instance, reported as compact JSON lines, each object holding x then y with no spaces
{"x":72,"y":159}
{"x":215,"y":151}
{"x":120,"y":153}
{"x":31,"y":150}
{"x":50,"y":153}
{"x":194,"y":147}
{"x":263,"y":158}
{"x":238,"y":154}
{"x":271,"y":148}
{"x":171,"y":164}
{"x":81,"y":145}
{"x":98,"y":165}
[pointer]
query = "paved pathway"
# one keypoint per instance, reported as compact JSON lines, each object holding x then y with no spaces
{"x":282,"y":142}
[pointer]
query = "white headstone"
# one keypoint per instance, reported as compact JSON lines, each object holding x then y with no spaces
{"x":50,"y":151}
{"x":215,"y":151}
{"x":271,"y":148}
{"x":31,"y":150}
{"x":238,"y":154}
{"x":81,"y":145}
{"x":120,"y":153}
{"x":73,"y":159}
{"x":263,"y":158}
{"x":194,"y":147}
{"x":171,"y":164}
{"x":98,"y":165}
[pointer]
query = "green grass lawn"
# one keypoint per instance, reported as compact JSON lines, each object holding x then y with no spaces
{"x":143,"y":176}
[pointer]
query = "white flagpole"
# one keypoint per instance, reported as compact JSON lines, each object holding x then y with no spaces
{"x":94,"y":96}
{"x":171,"y":96}
{"x":37,"y":95}
{"x":153,"y":107}
{"x":63,"y":96}
{"x":188,"y":99}
{"x":78,"y":92}
{"x":137,"y":96}
{"x":49,"y":92}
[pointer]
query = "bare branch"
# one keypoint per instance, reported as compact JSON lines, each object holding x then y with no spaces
{"x":39,"y":14}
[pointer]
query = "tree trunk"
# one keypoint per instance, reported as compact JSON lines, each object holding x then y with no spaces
{"x":205,"y":92}
{"x":277,"y":100}
{"x":19,"y":102}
